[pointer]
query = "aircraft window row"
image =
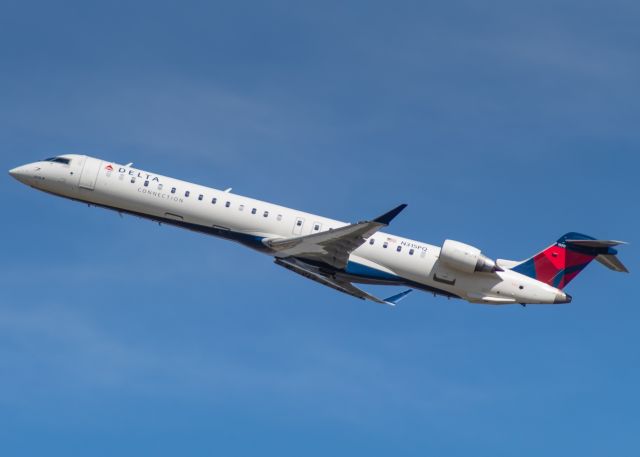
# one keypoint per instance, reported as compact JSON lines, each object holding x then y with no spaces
{"x":58,"y":160}
{"x":385,"y":245}
{"x":214,"y":200}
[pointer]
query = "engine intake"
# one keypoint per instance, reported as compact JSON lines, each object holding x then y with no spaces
{"x":466,"y":258}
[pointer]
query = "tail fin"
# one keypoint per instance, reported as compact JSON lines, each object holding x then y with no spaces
{"x":560,"y":263}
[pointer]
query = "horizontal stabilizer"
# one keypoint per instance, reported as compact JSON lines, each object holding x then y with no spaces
{"x":612,"y":262}
{"x":595,"y":243}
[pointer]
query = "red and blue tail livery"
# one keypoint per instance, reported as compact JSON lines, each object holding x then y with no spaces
{"x":558,"y":264}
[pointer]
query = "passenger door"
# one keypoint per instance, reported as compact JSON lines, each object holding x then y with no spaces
{"x":89,"y":173}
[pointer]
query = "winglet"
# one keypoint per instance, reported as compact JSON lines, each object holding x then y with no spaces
{"x":393,"y":300}
{"x":386,"y":218}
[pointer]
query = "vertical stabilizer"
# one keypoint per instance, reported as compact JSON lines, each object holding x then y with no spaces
{"x":558,"y":264}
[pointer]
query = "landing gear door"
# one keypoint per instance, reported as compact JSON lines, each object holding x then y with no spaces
{"x":89,"y":173}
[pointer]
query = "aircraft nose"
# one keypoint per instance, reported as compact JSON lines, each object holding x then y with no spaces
{"x":20,"y":173}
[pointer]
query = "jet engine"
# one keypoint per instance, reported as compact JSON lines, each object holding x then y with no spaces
{"x":463,"y":257}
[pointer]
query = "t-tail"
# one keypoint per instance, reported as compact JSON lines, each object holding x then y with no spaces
{"x":560,"y":263}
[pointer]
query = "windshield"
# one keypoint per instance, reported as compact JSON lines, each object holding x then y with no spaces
{"x":58,"y":160}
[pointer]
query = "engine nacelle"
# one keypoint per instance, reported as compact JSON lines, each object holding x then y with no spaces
{"x":463,"y":257}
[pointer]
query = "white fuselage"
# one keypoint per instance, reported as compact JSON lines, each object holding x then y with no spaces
{"x":382,"y":259}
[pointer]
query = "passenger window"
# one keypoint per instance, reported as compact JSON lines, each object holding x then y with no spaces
{"x":159,"y":186}
{"x":411,"y":251}
{"x":371,"y":241}
{"x":133,"y":180}
{"x":241,"y":208}
{"x":385,"y":244}
{"x":299,"y":223}
{"x":265,"y":214}
{"x":228,"y":204}
{"x":200,"y":197}
{"x":186,"y":194}
{"x":146,"y":184}
{"x":253,"y":211}
{"x":399,"y":248}
{"x":279,"y":218}
{"x":316,"y":227}
{"x":173,"y":190}
{"x":214,"y":200}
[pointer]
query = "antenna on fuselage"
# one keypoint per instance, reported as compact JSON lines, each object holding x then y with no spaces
{"x":129,"y":164}
{"x":226,"y":191}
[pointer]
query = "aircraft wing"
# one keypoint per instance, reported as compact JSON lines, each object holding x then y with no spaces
{"x":332,"y":246}
{"x":346,"y":287}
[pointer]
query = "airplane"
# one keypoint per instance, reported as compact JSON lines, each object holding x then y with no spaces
{"x":333,"y":253}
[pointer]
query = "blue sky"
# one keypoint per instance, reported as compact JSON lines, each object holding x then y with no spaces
{"x":502,"y":124}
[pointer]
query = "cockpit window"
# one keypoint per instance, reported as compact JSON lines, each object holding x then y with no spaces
{"x":58,"y":160}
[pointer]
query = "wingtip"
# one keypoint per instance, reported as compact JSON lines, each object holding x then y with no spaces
{"x":393,"y":300}
{"x":386,"y":218}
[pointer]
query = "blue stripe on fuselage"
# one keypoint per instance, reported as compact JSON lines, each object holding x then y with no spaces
{"x":358,"y":269}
